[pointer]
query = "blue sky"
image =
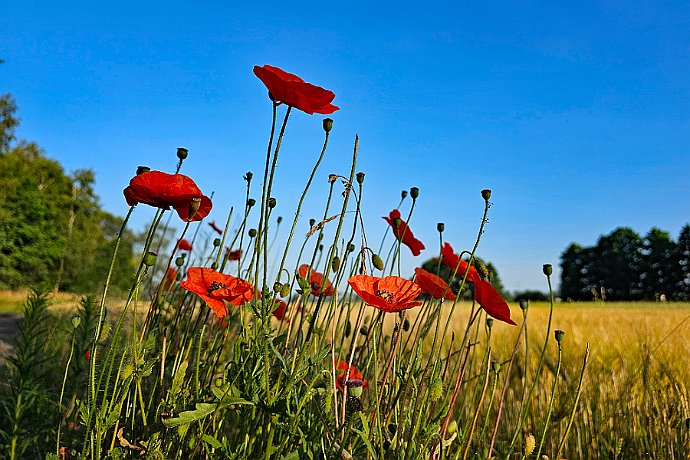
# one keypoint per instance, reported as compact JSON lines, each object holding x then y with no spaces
{"x":577,"y":116}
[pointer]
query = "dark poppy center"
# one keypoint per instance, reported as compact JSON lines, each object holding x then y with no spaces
{"x":215,"y":286}
{"x":385,"y":295}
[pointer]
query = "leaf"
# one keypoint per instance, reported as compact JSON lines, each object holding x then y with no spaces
{"x":185,"y":418}
{"x":211,"y":441}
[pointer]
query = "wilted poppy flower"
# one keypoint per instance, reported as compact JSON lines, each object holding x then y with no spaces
{"x":400,"y":228}
{"x":432,"y":284}
{"x":491,"y":301}
{"x":184,"y":245}
{"x":163,"y":190}
{"x":234,"y":255}
{"x":281,"y":309}
{"x":290,"y":89}
{"x":389,"y":294}
{"x":341,"y":368}
{"x":215,"y":228}
{"x":316,"y":281}
{"x":451,"y":260}
{"x":217,"y":288}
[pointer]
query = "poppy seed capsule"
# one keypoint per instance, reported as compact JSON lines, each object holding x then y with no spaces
{"x":194,"y":206}
{"x":142,"y":169}
{"x":376,"y":260}
{"x":547,"y":269}
{"x":252,"y":232}
{"x":280,"y":219}
{"x":272,"y":203}
{"x":440,"y":227}
{"x":559,"y":334}
{"x":251,"y":202}
{"x":312,"y":222}
{"x":486,"y":194}
{"x":327,"y":124}
{"x":285,"y":290}
{"x":335,"y":263}
{"x":496,"y":366}
{"x":150,"y":258}
{"x":277,"y":287}
{"x":179,"y":261}
{"x":360,"y":178}
{"x":248,"y":176}
{"x":216,"y":242}
{"x":524,"y":304}
{"x":414,"y":192}
{"x":350,"y":247}
{"x":182,"y":153}
{"x":364,"y":330}
{"x":403,"y":194}
{"x":489,"y":323}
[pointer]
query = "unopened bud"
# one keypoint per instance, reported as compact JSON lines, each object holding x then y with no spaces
{"x":360,"y":178}
{"x":182,"y":153}
{"x":350,"y":247}
{"x":406,"y":324}
{"x":547,"y":269}
{"x":436,"y":389}
{"x":277,"y":287}
{"x":248,"y":176}
{"x":76,"y":321}
{"x":559,"y":334}
{"x":271,"y":202}
{"x":194,"y":206}
{"x":530,"y":444}
{"x":489,"y":323}
{"x":252,"y":232}
{"x":364,"y":330}
{"x":377,"y":262}
{"x":150,"y":258}
{"x":440,"y":227}
{"x":335,"y":263}
{"x":348,"y":328}
{"x":524,"y":304}
{"x":312,"y":222}
{"x":142,"y":170}
{"x":251,"y":202}
{"x":486,"y":194}
{"x":103,"y":333}
{"x":496,"y":366}
{"x":320,"y":247}
{"x":327,"y":124}
{"x":285,"y":290}
{"x":179,"y":261}
{"x":414,"y":192}
{"x":216,"y":242}
{"x":403,"y":194}
{"x":279,"y":219}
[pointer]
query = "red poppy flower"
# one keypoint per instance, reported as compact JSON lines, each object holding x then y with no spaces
{"x":184,"y":245}
{"x":341,"y":368}
{"x":280,"y":310}
{"x":316,"y":281}
{"x":234,"y":255}
{"x":389,"y":294}
{"x":401,"y":228}
{"x":492,"y":302}
{"x":162,"y":190}
{"x":87,"y":355}
{"x":215,"y":227}
{"x":432,"y":284}
{"x":290,"y":89}
{"x":217,"y":288}
{"x":452,"y":261}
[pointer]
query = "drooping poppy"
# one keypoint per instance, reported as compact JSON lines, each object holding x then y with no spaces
{"x":341,"y":369}
{"x":164,"y":191}
{"x":280,"y":310}
{"x":217,"y":288}
{"x":492,"y":302}
{"x":389,"y":294}
{"x":184,"y":245}
{"x":316,"y":281}
{"x":291,"y":90}
{"x":400,"y":228}
{"x":451,"y":260}
{"x":432,"y":284}
{"x":234,"y":255}
{"x":215,"y":227}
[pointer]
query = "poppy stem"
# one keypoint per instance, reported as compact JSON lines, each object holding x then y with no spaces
{"x":553,"y":395}
{"x":575,"y":404}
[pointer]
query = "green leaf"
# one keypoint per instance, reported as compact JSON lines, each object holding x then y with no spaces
{"x":211,"y":441}
{"x":185,"y":418}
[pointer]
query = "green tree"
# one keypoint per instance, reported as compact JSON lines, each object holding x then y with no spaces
{"x":657,"y":267}
{"x":681,"y":271}
{"x":618,"y":265}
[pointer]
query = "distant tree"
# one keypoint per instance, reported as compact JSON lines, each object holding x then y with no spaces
{"x":618,"y":265}
{"x":681,"y":272}
{"x":657,"y":264}
{"x":531,"y":294}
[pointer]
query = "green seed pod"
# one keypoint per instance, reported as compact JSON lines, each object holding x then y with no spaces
{"x":327,"y":124}
{"x":489,"y":323}
{"x":285,"y":290}
{"x":496,"y":366}
{"x":251,"y":202}
{"x":150,"y":258}
{"x":182,"y":153}
{"x":277,"y":287}
{"x":559,"y":334}
{"x":216,"y":242}
{"x":248,"y":176}
{"x":335,"y":263}
{"x":524,"y":304}
{"x":348,"y":328}
{"x":406,"y":324}
{"x":279,"y":219}
{"x":194,"y":206}
{"x":414,"y":192}
{"x":142,"y":170}
{"x":360,"y":178}
{"x":272,"y":202}
{"x":440,"y":227}
{"x":436,"y":389}
{"x":547,"y":269}
{"x":377,"y":262}
{"x":486,"y":194}
{"x":252,"y":232}
{"x":312,"y":222}
{"x":76,"y":321}
{"x":214,"y":266}
{"x":179,"y":261}
{"x":364,"y":330}
{"x":403,"y":194}
{"x":350,"y":247}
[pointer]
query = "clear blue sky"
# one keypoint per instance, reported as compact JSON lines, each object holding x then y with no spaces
{"x":577,"y":116}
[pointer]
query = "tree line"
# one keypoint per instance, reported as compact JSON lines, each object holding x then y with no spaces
{"x":53,"y":232}
{"x":625,"y":266}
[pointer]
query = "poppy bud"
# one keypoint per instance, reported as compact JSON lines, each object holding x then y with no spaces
{"x":376,"y":260}
{"x":360,"y":178}
{"x":182,"y":153}
{"x":403,"y":194}
{"x":327,"y":124}
{"x":559,"y":335}
{"x":547,"y":269}
{"x":303,"y":283}
{"x":524,"y":304}
{"x":350,"y":247}
{"x":179,"y":261}
{"x":150,"y":258}
{"x":76,"y":321}
{"x":436,"y":389}
{"x":277,"y":287}
{"x":481,"y":268}
{"x":496,"y":366}
{"x":285,"y":290}
{"x":414,"y":192}
{"x":440,"y":227}
{"x":486,"y":194}
{"x":453,"y":427}
{"x":280,"y":219}
{"x":320,"y":247}
{"x":312,"y":222}
{"x":251,"y":202}
{"x":103,"y":333}
{"x":364,"y":330}
{"x":335,"y":263}
{"x":214,"y":266}
{"x":216,"y":242}
{"x":332,"y":178}
{"x":248,"y":176}
{"x":142,"y":170}
{"x":489,"y":323}
{"x":194,"y":207}
{"x":271,"y":202}
{"x":406,"y":324}
{"x":265,"y":292}
{"x":252,"y":232}
{"x":348,"y":328}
